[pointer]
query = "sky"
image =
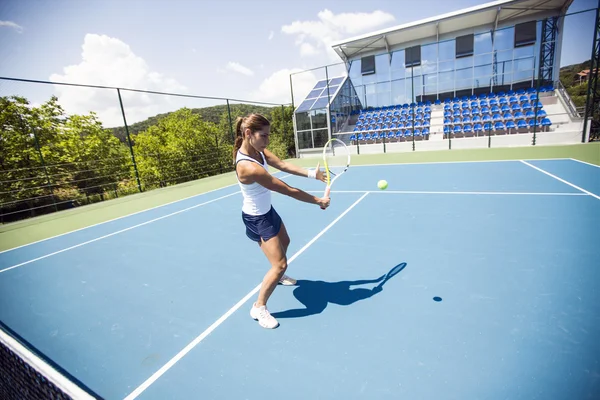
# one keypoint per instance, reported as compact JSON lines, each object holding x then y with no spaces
{"x":227,"y":48}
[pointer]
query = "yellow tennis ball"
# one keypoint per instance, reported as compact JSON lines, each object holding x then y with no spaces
{"x":382,"y":184}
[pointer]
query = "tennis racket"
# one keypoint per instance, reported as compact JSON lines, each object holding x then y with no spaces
{"x":336,"y":160}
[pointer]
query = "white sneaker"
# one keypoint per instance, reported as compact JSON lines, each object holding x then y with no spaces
{"x":263,"y":316}
{"x":287,"y":281}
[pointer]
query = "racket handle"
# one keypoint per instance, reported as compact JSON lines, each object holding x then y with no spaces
{"x":327,"y":190}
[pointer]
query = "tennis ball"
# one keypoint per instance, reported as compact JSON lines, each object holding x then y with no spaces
{"x":382,"y":184}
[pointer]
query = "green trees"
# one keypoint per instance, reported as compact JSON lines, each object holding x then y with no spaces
{"x":50,"y":160}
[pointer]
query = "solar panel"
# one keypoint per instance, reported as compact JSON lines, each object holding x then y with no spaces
{"x":319,"y":95}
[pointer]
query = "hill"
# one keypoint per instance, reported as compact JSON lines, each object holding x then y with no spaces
{"x":210,"y":114}
{"x":568,"y":77}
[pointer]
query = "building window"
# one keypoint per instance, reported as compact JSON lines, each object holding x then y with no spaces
{"x":367,"y":65}
{"x":412,"y":56}
{"x":464,"y":46}
{"x":525,"y":34}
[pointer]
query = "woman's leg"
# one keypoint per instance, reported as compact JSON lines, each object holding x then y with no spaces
{"x":274,"y":249}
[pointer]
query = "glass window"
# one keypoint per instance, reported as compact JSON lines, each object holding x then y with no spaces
{"x":463,"y":62}
{"x":446,"y":66}
{"x":447,"y":49}
{"x":523,"y":64}
{"x":429,"y":58}
{"x":397,"y":59}
{"x":431,"y":89}
{"x":399,"y":92}
{"x":445,"y":86}
{"x":483,"y":43}
{"x":504,"y":39}
{"x":354,"y":72}
{"x":485,"y":70}
{"x":320,"y":137}
{"x":519,"y":76}
{"x":464,"y":73}
{"x":305,"y":140}
{"x":503,"y":67}
{"x":526,"y":51}
{"x":501,"y":80}
{"x":504,"y":55}
{"x":382,"y":67}
{"x":485,"y":59}
{"x":302,"y":121}
{"x":319,"y":118}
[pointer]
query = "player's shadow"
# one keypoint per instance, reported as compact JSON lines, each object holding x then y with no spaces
{"x":316,"y":295}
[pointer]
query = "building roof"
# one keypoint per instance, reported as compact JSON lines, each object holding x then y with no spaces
{"x":493,"y":13}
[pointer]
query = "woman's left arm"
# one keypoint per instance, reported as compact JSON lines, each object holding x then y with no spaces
{"x":281,"y":165}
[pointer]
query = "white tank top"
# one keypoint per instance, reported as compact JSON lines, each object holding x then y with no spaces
{"x":257,"y":198}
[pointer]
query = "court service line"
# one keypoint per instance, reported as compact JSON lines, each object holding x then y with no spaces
{"x":460,"y":193}
{"x":560,"y":179}
{"x":218,"y":322}
{"x":127,"y":215}
{"x":515,"y":160}
{"x":583,"y":162}
{"x":117,"y":232}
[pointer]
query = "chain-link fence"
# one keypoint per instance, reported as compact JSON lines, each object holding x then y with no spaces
{"x":66,"y":145}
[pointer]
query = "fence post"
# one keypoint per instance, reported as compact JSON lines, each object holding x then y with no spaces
{"x":230,"y":123}
{"x":137,"y":176}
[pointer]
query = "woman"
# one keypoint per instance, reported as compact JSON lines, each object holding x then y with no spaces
{"x":263,"y":224}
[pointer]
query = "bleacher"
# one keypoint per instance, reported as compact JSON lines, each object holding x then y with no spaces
{"x":393,"y":122}
{"x":498,"y":113}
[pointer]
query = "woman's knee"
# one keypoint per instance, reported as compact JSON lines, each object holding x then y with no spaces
{"x":280,"y":266}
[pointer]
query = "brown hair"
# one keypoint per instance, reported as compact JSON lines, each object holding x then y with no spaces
{"x":254,"y":122}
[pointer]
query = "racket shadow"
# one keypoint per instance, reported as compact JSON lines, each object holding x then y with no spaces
{"x":316,"y":295}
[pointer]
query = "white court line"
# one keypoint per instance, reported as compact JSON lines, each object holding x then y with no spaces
{"x":114,"y":233}
{"x":463,"y":193}
{"x":560,"y":179}
{"x":218,"y":322}
{"x":583,"y":162}
{"x":449,"y":162}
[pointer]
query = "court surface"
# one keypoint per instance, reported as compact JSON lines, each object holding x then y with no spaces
{"x":497,"y":296}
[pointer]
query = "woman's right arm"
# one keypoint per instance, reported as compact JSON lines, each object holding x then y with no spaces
{"x":251,"y":172}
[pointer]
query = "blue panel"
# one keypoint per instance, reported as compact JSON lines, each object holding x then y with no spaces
{"x":315,"y":93}
{"x":331,"y":90}
{"x":306,"y":105}
{"x":320,"y":103}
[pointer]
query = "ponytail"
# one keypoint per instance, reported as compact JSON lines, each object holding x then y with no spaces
{"x":239,"y":137}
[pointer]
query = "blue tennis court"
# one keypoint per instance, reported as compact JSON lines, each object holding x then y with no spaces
{"x":496,"y":295}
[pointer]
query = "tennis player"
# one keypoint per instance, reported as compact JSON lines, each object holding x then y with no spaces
{"x":263,"y":224}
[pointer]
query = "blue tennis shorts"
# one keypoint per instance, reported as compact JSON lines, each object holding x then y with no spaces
{"x":263,"y":226}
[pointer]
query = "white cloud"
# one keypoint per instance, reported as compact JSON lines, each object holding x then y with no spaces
{"x":108,"y":61}
{"x":239,"y":68}
{"x":276,"y":88}
{"x":271,"y":34}
{"x":314,"y":36}
{"x":11,"y":24}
